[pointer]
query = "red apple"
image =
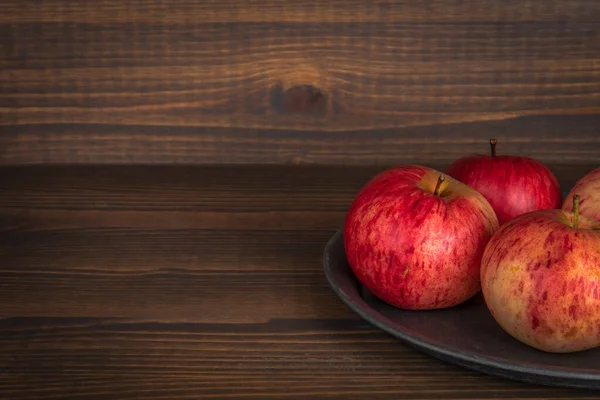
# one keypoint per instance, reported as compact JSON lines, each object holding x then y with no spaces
{"x":513,"y":185}
{"x":540,"y":278}
{"x":588,"y":189}
{"x":415,"y":239}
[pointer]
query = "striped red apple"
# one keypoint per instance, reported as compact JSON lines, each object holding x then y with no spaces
{"x":513,"y":185}
{"x":415,"y":238}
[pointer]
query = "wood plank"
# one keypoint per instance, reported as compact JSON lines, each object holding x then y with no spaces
{"x":183,"y":11}
{"x":552,"y":139}
{"x":197,"y":275}
{"x":201,"y":189}
{"x":68,"y":358}
{"x":254,"y":188}
{"x":297,"y":82}
{"x":171,"y":242}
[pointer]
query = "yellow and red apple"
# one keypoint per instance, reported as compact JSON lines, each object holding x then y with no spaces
{"x":540,"y":277}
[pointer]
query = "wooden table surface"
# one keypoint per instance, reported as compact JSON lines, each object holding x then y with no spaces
{"x":198,"y":283}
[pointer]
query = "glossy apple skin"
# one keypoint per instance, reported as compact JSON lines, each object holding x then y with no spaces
{"x":588,"y":189}
{"x":413,"y":249}
{"x":540,"y":279}
{"x":512,"y":185}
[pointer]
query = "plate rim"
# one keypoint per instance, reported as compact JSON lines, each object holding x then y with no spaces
{"x":548,"y":376}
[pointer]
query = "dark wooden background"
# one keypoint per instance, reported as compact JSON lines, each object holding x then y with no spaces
{"x":199,"y":280}
{"x":303,"y":81}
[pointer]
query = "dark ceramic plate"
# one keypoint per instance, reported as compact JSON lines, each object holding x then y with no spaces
{"x":465,"y":335}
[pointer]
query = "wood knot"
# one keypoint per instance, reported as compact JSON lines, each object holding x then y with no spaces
{"x":299,"y":99}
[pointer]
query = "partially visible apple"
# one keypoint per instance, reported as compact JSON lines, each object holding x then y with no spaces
{"x":540,"y":278}
{"x":513,"y":185}
{"x":415,"y":238}
{"x":588,"y":189}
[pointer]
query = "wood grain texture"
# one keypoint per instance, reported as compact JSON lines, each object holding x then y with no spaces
{"x":224,"y":82}
{"x":97,"y":359}
{"x":198,"y":282}
{"x":184,"y":11}
{"x":187,"y":241}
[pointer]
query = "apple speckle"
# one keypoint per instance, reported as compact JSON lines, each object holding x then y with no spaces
{"x":572,"y":311}
{"x":572,"y":332}
{"x":391,"y":261}
{"x":549,"y":240}
{"x":572,"y":285}
{"x":567,"y":245}
{"x":535,"y":322}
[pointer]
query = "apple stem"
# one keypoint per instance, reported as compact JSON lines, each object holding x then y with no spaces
{"x":441,"y":179}
{"x":576,"y":211}
{"x":493,"y":143}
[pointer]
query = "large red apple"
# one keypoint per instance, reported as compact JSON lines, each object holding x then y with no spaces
{"x":415,"y":239}
{"x":513,"y":185}
{"x":588,"y":189}
{"x":540,"y":277}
